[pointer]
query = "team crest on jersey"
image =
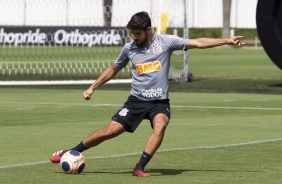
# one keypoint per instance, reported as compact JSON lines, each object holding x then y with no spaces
{"x":123,"y":112}
{"x":157,"y":49}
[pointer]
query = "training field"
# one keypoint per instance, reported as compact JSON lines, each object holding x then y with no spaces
{"x":212,"y":138}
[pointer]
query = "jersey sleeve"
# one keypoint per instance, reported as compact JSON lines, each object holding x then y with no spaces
{"x":176,"y":43}
{"x":122,"y":59}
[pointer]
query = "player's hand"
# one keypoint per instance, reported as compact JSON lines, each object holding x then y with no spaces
{"x":87,"y":94}
{"x":236,"y":40}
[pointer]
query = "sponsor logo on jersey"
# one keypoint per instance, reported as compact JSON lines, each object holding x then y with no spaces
{"x":148,"y":67}
{"x":157,"y":49}
{"x":123,"y":112}
{"x":151,"y":93}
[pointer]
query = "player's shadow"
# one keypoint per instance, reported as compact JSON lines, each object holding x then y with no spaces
{"x":275,"y":85}
{"x":167,"y":171}
{"x":160,"y":172}
{"x":180,"y":171}
{"x":150,"y":171}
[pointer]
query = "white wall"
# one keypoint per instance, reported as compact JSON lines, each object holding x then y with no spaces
{"x":201,"y":13}
{"x":243,"y":13}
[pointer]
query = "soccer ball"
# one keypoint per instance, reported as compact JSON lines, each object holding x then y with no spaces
{"x":72,"y":162}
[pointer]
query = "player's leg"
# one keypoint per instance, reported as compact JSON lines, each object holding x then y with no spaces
{"x":160,"y":123}
{"x":112,"y":130}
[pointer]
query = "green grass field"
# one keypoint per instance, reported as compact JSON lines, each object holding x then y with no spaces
{"x":212,"y":138}
{"x":226,"y":125}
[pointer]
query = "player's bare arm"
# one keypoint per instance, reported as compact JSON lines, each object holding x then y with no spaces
{"x":203,"y":43}
{"x":105,"y":76}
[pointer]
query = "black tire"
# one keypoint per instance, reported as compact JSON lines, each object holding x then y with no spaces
{"x":269,"y":27}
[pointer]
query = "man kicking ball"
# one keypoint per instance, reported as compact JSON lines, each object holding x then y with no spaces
{"x":150,"y":57}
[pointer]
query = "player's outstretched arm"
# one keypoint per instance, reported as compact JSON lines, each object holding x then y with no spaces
{"x":105,"y":76}
{"x":203,"y":43}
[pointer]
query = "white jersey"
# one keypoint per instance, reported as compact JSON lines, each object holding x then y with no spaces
{"x":150,"y":65}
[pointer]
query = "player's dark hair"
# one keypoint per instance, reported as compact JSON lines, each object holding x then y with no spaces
{"x":140,"y":20}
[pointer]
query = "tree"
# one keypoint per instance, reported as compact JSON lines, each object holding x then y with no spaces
{"x":107,"y":4}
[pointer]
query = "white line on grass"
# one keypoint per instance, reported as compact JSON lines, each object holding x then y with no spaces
{"x":236,"y":108}
{"x":163,"y":150}
{"x":119,"y":105}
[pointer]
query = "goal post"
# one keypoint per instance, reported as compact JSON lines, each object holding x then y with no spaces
{"x":73,"y":40}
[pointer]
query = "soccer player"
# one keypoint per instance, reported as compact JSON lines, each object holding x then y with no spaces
{"x":150,"y":56}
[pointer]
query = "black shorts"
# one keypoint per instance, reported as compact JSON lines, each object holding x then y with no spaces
{"x":135,"y":110}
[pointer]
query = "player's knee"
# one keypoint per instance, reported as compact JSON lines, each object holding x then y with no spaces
{"x":160,"y":121}
{"x":160,"y":126}
{"x":108,"y":133}
{"x":112,"y":131}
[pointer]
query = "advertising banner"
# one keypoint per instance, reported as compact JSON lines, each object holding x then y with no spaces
{"x":63,"y":36}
